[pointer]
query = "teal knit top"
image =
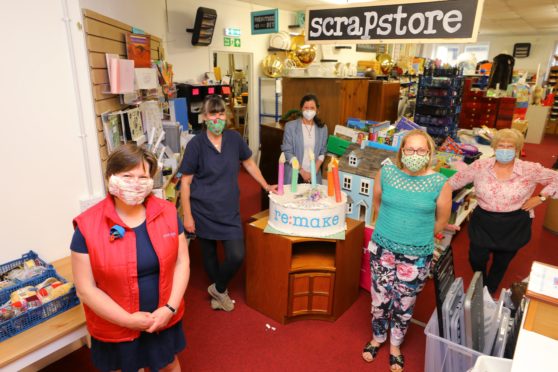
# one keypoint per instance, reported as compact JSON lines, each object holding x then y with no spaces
{"x":407,"y":211}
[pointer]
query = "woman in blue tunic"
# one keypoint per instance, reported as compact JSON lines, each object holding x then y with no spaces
{"x":210,"y":196}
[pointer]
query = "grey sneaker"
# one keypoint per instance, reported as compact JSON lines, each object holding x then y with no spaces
{"x":215,"y":305}
{"x":222,"y":299}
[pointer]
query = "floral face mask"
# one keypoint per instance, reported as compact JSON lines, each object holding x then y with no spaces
{"x":130,"y":191}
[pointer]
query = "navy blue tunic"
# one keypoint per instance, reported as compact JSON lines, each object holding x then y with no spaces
{"x":214,"y":192}
{"x":153,"y":350}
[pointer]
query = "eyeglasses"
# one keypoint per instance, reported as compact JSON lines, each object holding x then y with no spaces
{"x":411,"y":151}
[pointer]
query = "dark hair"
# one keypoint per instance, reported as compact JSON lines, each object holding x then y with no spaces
{"x":213,"y":104}
{"x":127,"y":157}
{"x":312,"y":97}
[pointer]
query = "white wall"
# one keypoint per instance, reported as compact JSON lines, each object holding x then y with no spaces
{"x":43,"y":159}
{"x":542,"y":47}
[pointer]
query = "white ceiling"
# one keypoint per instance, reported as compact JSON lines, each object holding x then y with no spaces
{"x":499,"y":17}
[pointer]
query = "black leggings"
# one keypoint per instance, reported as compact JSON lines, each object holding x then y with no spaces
{"x":478,"y":258}
{"x":221,"y":274}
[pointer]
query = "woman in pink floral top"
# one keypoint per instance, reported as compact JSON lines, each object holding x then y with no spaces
{"x":504,"y":186}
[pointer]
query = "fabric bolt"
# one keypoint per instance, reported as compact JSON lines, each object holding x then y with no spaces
{"x":397,"y":279}
{"x":293,"y":145}
{"x":148,"y":350}
{"x":407,"y":212}
{"x":509,"y":195}
{"x":214,"y":192}
{"x":221,"y":274}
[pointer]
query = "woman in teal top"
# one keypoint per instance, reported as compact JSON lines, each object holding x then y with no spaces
{"x":412,"y":203}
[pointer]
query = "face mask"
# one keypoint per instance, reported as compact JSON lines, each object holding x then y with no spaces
{"x":309,"y":114}
{"x":504,"y":156}
{"x":130,"y":191}
{"x":216,"y":126}
{"x":415,"y":162}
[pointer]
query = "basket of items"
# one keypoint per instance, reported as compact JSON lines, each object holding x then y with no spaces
{"x":31,"y":293}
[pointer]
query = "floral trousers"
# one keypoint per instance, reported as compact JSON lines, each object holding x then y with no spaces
{"x":397,"y":279}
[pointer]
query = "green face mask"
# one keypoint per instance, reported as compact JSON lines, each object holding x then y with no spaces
{"x":216,"y":126}
{"x":415,"y":162}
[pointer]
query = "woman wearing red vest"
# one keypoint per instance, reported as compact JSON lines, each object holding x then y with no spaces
{"x":131,"y":269}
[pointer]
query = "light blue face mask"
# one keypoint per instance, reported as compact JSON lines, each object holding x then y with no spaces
{"x":504,"y":156}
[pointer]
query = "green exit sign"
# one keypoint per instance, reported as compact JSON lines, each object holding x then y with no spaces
{"x":231,"y":42}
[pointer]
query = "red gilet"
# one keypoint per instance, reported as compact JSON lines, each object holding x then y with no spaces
{"x":114,"y":263}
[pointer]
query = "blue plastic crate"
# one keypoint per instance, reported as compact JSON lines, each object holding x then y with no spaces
{"x":427,"y":120}
{"x":438,"y":101}
{"x":455,"y":83}
{"x":37,"y":315}
{"x":4,"y":268}
{"x":436,"y":110}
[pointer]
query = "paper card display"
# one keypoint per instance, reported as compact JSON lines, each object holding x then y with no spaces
{"x":151,"y":115}
{"x":121,"y":74}
{"x":112,"y":129}
{"x":138,"y":48}
{"x":146,"y":78}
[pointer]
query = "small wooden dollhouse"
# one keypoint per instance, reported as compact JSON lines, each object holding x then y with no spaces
{"x":357,"y":168}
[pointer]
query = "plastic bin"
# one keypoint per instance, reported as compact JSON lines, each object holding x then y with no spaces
{"x":39,"y":314}
{"x":4,"y":268}
{"x":487,"y":363}
{"x":443,"y":355}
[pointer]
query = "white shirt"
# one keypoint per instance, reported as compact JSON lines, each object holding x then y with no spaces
{"x":309,"y":139}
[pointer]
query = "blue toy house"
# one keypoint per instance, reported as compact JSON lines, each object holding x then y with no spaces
{"x":357,"y":169}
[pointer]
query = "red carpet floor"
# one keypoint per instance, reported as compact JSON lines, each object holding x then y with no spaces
{"x":240,"y":341}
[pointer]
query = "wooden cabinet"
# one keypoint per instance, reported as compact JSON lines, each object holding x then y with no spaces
{"x":383,"y":100}
{"x":339,"y":98}
{"x":290,"y":278}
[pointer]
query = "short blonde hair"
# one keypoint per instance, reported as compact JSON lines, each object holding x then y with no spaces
{"x":508,"y":135}
{"x":429,"y":142}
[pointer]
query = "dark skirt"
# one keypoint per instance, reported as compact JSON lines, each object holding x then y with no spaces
{"x":153,"y":350}
{"x":500,"y":231}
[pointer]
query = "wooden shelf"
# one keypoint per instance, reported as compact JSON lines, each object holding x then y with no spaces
{"x":312,"y":257}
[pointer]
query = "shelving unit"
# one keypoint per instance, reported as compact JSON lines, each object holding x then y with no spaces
{"x":439,"y":102}
{"x":552,"y":121}
{"x":277,"y":91}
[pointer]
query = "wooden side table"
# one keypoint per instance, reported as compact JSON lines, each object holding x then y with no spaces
{"x":292,"y":278}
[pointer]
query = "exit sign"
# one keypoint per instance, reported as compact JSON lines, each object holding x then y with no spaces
{"x":233,"y":32}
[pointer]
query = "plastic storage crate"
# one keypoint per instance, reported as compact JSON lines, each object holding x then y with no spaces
{"x":443,"y":355}
{"x":4,"y":268}
{"x":37,"y":315}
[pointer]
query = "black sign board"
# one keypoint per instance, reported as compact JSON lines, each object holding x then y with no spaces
{"x":265,"y":21}
{"x":424,"y":22}
{"x":521,"y":50}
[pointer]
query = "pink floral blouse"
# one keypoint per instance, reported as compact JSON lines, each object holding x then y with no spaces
{"x":494,"y":195}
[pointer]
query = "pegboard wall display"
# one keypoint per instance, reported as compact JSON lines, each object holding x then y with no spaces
{"x":106,"y":35}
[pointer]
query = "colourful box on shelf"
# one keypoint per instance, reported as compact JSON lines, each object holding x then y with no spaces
{"x":381,"y":146}
{"x":4,"y":268}
{"x":385,"y":136}
{"x":406,"y":124}
{"x":360,"y":124}
{"x":34,"y":316}
{"x":336,"y":145}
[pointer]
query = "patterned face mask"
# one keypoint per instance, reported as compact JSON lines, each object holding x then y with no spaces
{"x":215,"y":126}
{"x":415,"y":162}
{"x":130,"y":191}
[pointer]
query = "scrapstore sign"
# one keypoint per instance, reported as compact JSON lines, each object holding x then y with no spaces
{"x":420,"y":21}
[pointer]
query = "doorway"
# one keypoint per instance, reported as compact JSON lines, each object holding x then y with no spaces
{"x":235,"y":69}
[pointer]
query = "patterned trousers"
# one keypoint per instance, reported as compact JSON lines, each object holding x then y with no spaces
{"x":397,"y":279}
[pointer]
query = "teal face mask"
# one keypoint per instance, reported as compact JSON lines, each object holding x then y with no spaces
{"x":216,"y":126}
